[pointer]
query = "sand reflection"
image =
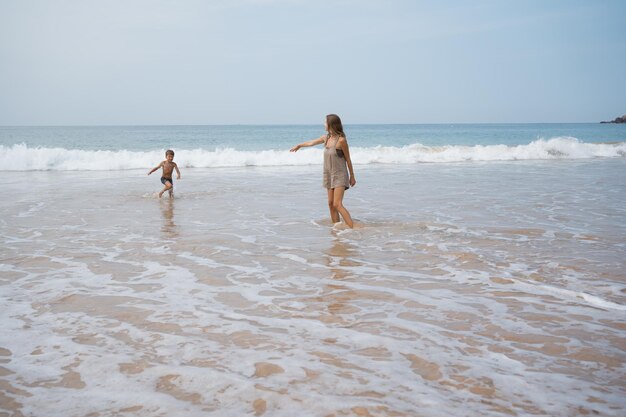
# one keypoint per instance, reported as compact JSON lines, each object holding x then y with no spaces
{"x":169,"y":228}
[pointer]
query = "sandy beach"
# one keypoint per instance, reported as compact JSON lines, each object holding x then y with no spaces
{"x":501,"y":294}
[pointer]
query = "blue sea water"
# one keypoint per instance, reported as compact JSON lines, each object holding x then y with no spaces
{"x":136,"y":147}
{"x":255,"y":138}
{"x":484,"y":276}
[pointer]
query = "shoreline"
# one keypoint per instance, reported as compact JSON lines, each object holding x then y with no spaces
{"x":492,"y":288}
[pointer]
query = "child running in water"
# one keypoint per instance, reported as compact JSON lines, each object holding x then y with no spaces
{"x":168,"y":168}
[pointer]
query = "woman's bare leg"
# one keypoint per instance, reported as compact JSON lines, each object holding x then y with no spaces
{"x":338,"y":205}
{"x":334,"y":214}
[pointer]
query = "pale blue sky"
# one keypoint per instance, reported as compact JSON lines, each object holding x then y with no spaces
{"x":81,"y":62}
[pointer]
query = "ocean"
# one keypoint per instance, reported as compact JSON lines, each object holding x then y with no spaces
{"x":485,"y":274}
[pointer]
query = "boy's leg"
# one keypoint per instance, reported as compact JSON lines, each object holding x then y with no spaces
{"x":168,"y":186}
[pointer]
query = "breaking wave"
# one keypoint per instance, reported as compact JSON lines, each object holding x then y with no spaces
{"x":20,"y":157}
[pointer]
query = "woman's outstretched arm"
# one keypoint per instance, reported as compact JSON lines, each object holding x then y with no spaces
{"x":312,"y":142}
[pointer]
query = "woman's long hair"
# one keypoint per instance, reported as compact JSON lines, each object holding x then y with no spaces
{"x":334,"y":125}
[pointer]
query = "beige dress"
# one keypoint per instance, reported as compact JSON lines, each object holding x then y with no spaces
{"x":335,"y":167}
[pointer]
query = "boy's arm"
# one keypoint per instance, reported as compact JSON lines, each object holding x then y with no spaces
{"x":155,"y":168}
{"x":177,"y":171}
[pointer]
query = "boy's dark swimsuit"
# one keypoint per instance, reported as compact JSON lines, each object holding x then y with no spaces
{"x":164,"y":180}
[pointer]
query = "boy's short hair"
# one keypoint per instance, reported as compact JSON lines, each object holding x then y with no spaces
{"x":169,"y":152}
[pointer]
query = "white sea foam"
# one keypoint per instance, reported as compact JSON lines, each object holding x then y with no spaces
{"x":588,"y":298}
{"x":425,"y":310}
{"x":20,"y":157}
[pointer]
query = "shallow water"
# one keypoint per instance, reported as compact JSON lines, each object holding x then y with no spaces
{"x":465,"y":289}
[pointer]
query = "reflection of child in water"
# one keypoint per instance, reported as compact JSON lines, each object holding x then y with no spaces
{"x":169,"y":227}
{"x":168,"y":167}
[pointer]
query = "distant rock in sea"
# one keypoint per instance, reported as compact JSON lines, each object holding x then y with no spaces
{"x":618,"y":120}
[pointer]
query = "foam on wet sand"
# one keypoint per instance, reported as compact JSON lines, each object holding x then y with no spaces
{"x":499,"y":294}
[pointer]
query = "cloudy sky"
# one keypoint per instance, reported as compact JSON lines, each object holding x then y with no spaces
{"x":82,"y":62}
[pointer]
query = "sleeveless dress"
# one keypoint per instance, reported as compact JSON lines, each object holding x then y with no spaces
{"x":335,"y":168}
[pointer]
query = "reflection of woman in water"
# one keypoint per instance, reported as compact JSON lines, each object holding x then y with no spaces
{"x":337,"y":163}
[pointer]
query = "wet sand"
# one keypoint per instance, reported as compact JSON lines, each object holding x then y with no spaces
{"x":466,"y":289}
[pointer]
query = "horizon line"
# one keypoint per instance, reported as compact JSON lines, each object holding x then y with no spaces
{"x":294,"y":124}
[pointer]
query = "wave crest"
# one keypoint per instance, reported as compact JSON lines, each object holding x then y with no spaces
{"x":20,"y":157}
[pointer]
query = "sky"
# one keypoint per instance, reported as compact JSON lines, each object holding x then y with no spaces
{"x":181,"y":62}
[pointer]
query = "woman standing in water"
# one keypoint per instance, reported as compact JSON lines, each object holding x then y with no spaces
{"x":337,"y":163}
